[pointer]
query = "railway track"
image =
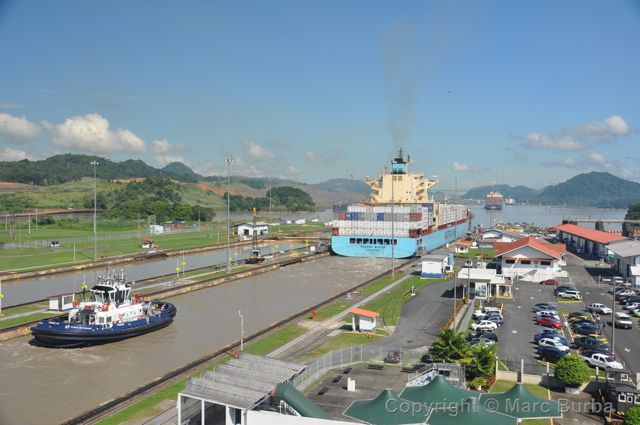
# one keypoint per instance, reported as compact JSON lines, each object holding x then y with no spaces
{"x":110,"y":407}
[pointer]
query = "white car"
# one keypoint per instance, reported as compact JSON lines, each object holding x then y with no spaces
{"x":485,"y":325}
{"x":570,"y":295}
{"x":622,"y":320}
{"x":602,"y":361}
{"x":599,"y":308}
{"x":551,"y":314}
{"x":550,"y":342}
{"x":631,"y":306}
{"x":481,"y":313}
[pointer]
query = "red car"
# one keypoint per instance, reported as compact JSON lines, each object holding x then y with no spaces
{"x":548,"y":322}
{"x":550,"y":282}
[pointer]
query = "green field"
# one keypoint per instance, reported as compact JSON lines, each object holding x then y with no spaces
{"x":390,"y":304}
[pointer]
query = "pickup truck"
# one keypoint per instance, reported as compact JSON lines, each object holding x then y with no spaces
{"x":600,"y":360}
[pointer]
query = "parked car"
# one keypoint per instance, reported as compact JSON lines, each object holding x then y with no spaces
{"x":636,"y":313}
{"x":631,"y":306}
{"x":599,"y":308}
{"x":578,"y":314}
{"x":586,"y":329}
{"x":601,"y":360}
{"x":622,"y":320}
{"x":550,"y":354}
{"x":393,"y":357}
{"x":578,"y":322}
{"x":550,"y":282}
{"x":546,"y":313}
{"x":537,"y":338}
{"x":486,"y":335}
{"x":550,"y":342}
{"x":548,"y":306}
{"x":549,"y":322}
{"x":481,"y":313}
{"x":544,"y":307}
{"x":498,"y":320}
{"x":485,"y":325}
{"x":561,"y":288}
{"x":577,"y":319}
{"x":622,"y":295}
{"x":481,"y":342}
{"x":592,"y":344}
{"x":569,"y":295}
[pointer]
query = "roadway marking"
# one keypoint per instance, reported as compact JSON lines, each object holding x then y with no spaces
{"x":627,"y":350}
{"x":514,"y":331}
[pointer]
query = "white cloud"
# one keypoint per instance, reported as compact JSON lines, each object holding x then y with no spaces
{"x":163,"y":160}
{"x":161,"y":146}
{"x":605,"y":130}
{"x":8,"y":154}
{"x":567,"y":163}
{"x":18,"y":129}
{"x":91,"y":133}
{"x":256,"y":150}
{"x":596,"y":158}
{"x":552,"y":142}
{"x":323,"y":158}
{"x":462,"y":168}
{"x":291,"y":170}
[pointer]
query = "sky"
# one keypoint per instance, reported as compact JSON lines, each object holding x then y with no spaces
{"x":477,"y":92}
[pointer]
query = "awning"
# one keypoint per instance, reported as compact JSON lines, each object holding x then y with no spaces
{"x":386,"y":409}
{"x":436,"y":392}
{"x":520,"y":403}
{"x":471,"y":411}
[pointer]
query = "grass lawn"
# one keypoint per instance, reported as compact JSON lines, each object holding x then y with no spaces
{"x":389,"y":305}
{"x":332,"y":309}
{"x":343,"y":340}
{"x":10,"y":311}
{"x":474,"y":252}
{"x":23,"y":319}
{"x":145,"y":408}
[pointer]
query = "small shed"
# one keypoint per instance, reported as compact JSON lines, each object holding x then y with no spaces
{"x":363,"y":320}
{"x":434,"y":266}
{"x":148,"y":243}
{"x":248,"y":229}
{"x":156,"y":229}
{"x":61,"y":302}
{"x":461,"y":247}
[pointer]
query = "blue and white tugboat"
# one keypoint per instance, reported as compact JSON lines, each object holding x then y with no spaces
{"x":112,"y":315}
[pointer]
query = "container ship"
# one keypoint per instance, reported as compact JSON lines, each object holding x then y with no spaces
{"x":494,"y":201}
{"x":399,"y":219}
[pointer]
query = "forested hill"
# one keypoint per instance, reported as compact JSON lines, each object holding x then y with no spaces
{"x":519,"y":193}
{"x":594,"y":189}
{"x":69,"y":167}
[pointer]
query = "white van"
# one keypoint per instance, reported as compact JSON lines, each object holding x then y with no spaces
{"x":623,"y":320}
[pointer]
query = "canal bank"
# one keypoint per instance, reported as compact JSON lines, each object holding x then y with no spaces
{"x":206,"y":320}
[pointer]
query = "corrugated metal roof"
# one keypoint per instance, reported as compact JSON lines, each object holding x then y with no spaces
{"x":627,"y":248}
{"x":590,"y":234}
{"x":243,"y":382}
{"x":553,"y":250}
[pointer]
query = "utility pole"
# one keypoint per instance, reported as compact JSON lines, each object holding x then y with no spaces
{"x":228,"y":160}
{"x":241,"y":330}
{"x":613,"y":318}
{"x":1,"y":297}
{"x":95,"y":212}
{"x":29,"y":217}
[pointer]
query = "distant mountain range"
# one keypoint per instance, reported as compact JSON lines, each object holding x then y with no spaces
{"x":60,"y":169}
{"x":594,"y":189}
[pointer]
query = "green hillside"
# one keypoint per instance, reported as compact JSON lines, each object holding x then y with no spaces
{"x":345,"y":185}
{"x":519,"y":193}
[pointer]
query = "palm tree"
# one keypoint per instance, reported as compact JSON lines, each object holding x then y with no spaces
{"x":450,"y":347}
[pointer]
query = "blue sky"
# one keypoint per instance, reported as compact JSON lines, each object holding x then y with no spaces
{"x":524,"y":92}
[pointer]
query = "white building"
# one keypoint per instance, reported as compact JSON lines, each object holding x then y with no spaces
{"x":248,"y":229}
{"x":626,"y":259}
{"x":487,"y":283}
{"x":497,"y":235}
{"x":530,"y":259}
{"x":363,"y":320}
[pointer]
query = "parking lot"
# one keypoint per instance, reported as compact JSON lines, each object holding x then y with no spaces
{"x":516,"y":335}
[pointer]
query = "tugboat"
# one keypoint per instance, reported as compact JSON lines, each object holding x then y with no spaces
{"x":112,"y":316}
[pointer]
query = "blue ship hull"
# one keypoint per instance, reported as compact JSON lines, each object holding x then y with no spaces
{"x":62,"y":334}
{"x":493,"y":207}
{"x":405,"y":247}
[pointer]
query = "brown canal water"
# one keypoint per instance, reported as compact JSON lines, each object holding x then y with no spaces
{"x":46,"y":386}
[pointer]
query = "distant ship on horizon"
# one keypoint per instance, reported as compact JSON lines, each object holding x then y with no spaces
{"x":494,"y":201}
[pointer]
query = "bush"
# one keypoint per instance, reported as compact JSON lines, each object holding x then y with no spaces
{"x":573,"y":371}
{"x":632,"y":416}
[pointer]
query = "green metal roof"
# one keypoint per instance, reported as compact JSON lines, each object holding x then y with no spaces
{"x":299,"y":402}
{"x":387,"y":409}
{"x":520,"y":403}
{"x":436,"y":392}
{"x":470,"y":411}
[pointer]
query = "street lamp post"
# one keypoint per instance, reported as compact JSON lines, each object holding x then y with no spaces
{"x":393,"y":226}
{"x":95,"y":212}
{"x":228,"y":160}
{"x":241,"y":330}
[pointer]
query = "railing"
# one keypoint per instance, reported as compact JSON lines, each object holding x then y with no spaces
{"x":354,"y":355}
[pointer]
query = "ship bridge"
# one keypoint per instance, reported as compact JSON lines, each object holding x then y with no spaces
{"x":399,"y":185}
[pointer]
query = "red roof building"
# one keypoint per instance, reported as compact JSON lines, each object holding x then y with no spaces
{"x":556,"y":250}
{"x":530,"y":259}
{"x":586,"y":241}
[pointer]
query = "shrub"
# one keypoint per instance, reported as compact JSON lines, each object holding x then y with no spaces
{"x":573,"y":371}
{"x":632,"y":416}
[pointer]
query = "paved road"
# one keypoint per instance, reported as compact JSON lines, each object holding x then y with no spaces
{"x":627,"y":342}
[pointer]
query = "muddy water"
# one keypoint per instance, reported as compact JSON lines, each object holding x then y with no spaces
{"x":26,"y":290}
{"x":46,"y":386}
